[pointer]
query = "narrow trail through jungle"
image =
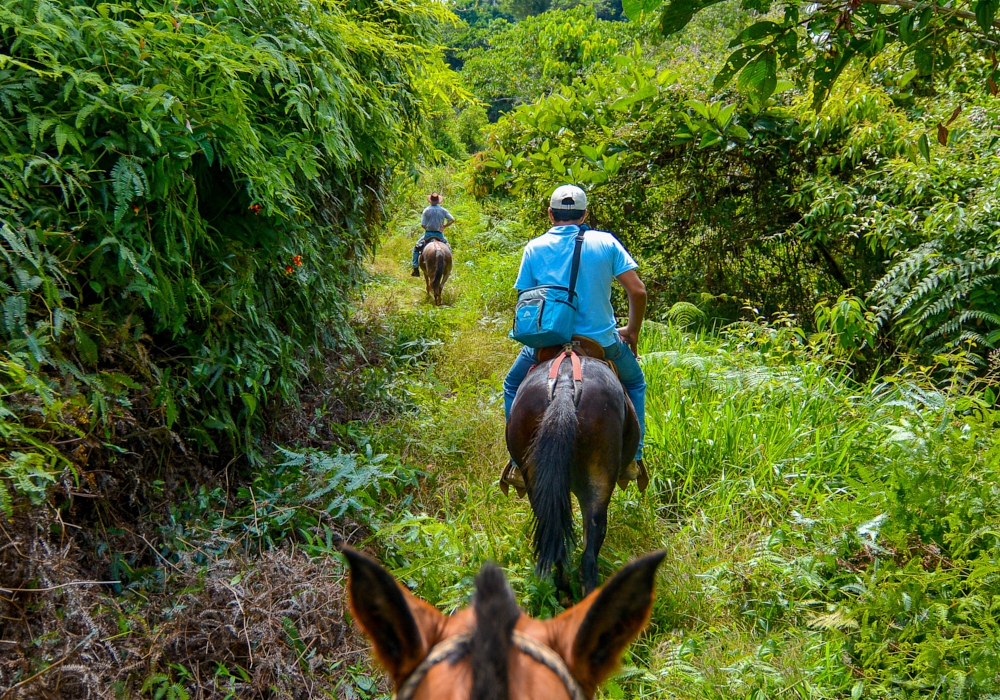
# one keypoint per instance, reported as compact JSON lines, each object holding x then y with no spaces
{"x":770,"y":468}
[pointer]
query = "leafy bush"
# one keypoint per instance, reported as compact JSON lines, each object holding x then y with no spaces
{"x":517,"y":63}
{"x":187,"y":193}
{"x":818,"y":41}
{"x":774,"y":204}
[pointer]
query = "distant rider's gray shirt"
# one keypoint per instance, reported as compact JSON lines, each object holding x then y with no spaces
{"x":434,"y":218}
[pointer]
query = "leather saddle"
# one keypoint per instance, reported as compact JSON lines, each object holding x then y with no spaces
{"x":582,"y":346}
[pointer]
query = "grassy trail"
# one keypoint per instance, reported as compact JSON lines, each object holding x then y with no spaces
{"x":770,"y":473}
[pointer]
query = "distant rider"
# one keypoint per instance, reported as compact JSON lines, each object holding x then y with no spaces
{"x":547,"y":260}
{"x":434,"y":220}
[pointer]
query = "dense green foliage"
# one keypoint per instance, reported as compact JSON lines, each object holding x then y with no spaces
{"x":823,"y":535}
{"x":817,"y":42}
{"x":776,"y":205}
{"x":506,"y":64}
{"x":187,"y":193}
{"x":189,"y":200}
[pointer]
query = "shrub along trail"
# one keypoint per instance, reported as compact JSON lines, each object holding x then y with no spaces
{"x":824,"y":538}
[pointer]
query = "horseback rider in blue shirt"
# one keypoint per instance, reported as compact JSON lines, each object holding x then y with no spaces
{"x":434,"y":220}
{"x":547,"y":260}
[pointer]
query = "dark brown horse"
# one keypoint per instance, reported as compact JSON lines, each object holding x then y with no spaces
{"x":493,"y":651}
{"x":435,"y":261}
{"x":576,"y":440}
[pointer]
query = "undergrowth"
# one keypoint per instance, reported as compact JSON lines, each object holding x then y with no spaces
{"x":826,"y":537}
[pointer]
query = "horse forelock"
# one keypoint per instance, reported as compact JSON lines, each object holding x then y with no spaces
{"x":496,"y":614}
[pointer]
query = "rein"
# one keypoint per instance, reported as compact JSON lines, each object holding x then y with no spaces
{"x":455,"y":648}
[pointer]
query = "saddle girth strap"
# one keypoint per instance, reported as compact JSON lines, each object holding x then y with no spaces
{"x":574,"y":359}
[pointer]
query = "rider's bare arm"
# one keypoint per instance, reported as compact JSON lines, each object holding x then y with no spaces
{"x":636,"y":291}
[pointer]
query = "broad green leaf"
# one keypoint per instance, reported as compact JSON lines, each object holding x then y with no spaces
{"x":756,"y":31}
{"x":633,"y":9}
{"x":734,"y":63}
{"x":667,"y":76}
{"x":906,"y":32}
{"x":925,"y":147}
{"x":700,"y":107}
{"x":759,"y":78}
{"x":677,"y":13}
{"x":725,"y":115}
{"x":710,"y":138}
{"x":986,"y":11}
{"x":738,"y":132}
{"x":783,"y":86}
{"x":250,"y":401}
{"x":907,"y":77}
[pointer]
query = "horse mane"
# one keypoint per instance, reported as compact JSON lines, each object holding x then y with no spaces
{"x":496,"y":614}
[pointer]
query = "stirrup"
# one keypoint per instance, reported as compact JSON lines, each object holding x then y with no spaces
{"x":634,"y":471}
{"x":512,"y":476}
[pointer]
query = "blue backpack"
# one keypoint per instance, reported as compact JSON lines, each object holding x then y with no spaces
{"x":544,"y":315}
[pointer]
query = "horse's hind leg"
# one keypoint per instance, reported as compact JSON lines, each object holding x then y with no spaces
{"x":563,"y":586}
{"x":595,"y":528}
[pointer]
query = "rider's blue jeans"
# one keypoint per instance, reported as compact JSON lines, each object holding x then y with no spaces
{"x":629,"y":372}
{"x":427,"y":234}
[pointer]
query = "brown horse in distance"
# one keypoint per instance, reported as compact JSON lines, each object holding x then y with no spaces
{"x":493,"y":651}
{"x":435,"y":262}
{"x":575,"y":441}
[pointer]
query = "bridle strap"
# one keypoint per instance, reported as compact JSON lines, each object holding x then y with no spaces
{"x":552,"y":661}
{"x":455,"y":648}
{"x":450,"y":650}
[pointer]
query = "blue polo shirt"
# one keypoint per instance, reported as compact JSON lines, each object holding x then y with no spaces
{"x":548,"y":260}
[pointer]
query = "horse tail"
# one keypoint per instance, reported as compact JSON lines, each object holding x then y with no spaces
{"x":550,"y":459}
{"x":439,"y":271}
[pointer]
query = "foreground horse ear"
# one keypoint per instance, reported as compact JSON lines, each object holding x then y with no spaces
{"x":400,"y":627}
{"x":612,"y":617}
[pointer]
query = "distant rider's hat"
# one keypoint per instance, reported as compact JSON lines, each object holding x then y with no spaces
{"x":569,"y":197}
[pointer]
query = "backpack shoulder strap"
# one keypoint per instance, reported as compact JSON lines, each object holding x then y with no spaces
{"x":575,"y":269}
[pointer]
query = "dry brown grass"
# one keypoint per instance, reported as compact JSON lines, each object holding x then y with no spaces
{"x":80,"y":641}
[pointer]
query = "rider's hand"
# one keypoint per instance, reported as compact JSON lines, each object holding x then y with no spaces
{"x":631,"y":339}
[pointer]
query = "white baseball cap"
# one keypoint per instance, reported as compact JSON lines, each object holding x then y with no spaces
{"x":568,"y":197}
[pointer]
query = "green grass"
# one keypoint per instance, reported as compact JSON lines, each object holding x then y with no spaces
{"x":824,"y":538}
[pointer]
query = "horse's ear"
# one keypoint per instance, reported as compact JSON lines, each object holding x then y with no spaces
{"x":604,"y":623}
{"x":400,"y":626}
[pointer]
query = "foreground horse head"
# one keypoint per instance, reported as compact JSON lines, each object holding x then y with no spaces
{"x":435,"y":261}
{"x":493,"y":651}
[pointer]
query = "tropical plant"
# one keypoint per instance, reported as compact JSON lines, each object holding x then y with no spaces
{"x":517,"y":63}
{"x":819,"y":41}
{"x":187,"y":193}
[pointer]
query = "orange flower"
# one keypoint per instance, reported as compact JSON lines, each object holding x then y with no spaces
{"x":255,"y":208}
{"x":135,"y":209}
{"x":297,"y":260}
{"x":288,"y":269}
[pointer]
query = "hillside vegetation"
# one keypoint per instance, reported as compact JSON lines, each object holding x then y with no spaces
{"x":215,"y":363}
{"x":828,"y":537}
